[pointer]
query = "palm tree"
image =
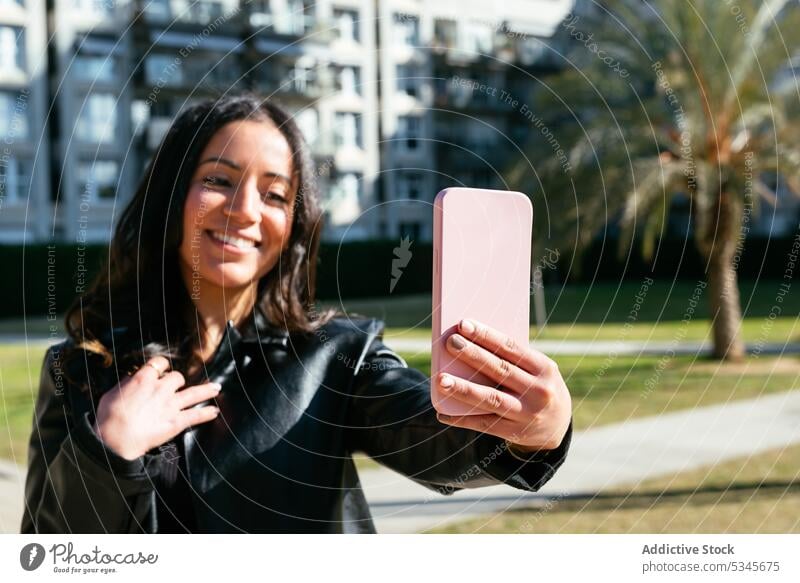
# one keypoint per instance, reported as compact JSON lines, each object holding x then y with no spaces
{"x":665,"y":99}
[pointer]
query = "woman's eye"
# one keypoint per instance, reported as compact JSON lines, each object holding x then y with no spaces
{"x":275,"y":196}
{"x":216,"y":181}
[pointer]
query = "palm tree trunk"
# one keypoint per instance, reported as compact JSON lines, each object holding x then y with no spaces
{"x":726,"y":312}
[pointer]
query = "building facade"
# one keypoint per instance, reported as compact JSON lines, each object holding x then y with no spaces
{"x":397,"y":99}
{"x":25,"y":204}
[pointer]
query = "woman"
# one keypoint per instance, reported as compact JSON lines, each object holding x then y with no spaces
{"x":241,"y":405}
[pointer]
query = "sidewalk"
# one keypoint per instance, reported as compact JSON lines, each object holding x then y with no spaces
{"x":601,"y":457}
{"x":12,"y":496}
{"x":606,"y":456}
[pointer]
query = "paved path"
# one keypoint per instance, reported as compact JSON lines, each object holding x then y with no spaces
{"x":12,"y":496}
{"x":603,"y":457}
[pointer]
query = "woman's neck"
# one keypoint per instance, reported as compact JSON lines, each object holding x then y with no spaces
{"x":213,"y":307}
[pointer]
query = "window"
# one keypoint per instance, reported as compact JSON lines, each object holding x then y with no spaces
{"x":445,"y":33}
{"x":197,"y":11}
{"x":98,"y":179}
{"x":347,"y":187}
{"x":163,"y":70}
{"x":531,"y":50}
{"x":97,"y":120}
{"x":12,"y":49}
{"x":158,"y":10}
{"x":408,"y":80}
{"x":297,"y":18}
{"x":15,"y":178}
{"x":410,"y":185}
{"x":406,"y":30}
{"x":408,"y":132}
{"x":349,"y":80}
{"x":260,"y":13}
{"x":347,"y":24}
{"x":94,"y":7}
{"x":348,"y":130}
{"x":301,"y":79}
{"x":344,"y":205}
{"x":94,"y":68}
{"x":308,"y":122}
{"x":13,"y":115}
{"x":478,"y":38}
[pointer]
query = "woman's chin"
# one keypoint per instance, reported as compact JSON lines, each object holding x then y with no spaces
{"x":232,"y":277}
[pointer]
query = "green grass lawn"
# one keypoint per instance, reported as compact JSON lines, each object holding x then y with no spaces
{"x":758,"y":494}
{"x":607,"y":390}
{"x":604,"y":390}
{"x":19,"y":383}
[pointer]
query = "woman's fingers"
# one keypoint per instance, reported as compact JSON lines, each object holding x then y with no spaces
{"x":489,"y":423}
{"x":196,"y":416}
{"x":500,"y":370}
{"x":153,"y":369}
{"x":171,"y":381}
{"x":482,"y":398}
{"x":505,"y":347}
{"x":196,"y":394}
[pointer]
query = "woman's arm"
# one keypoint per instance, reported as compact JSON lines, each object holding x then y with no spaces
{"x":74,"y":482}
{"x":391,"y":418}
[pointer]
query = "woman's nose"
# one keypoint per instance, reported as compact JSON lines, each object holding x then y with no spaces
{"x":245,"y":205}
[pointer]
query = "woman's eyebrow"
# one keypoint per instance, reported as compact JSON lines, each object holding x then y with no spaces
{"x":235,"y":166}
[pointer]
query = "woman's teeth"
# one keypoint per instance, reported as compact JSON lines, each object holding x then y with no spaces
{"x":235,"y":241}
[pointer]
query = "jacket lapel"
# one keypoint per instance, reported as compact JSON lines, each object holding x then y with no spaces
{"x":259,"y":403}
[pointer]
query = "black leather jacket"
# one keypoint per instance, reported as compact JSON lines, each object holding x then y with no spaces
{"x":278,"y":458}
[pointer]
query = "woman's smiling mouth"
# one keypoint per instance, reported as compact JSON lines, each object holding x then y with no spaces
{"x":232,"y":243}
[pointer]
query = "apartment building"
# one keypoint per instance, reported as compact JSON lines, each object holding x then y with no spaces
{"x":451,"y":72}
{"x":379,"y":88}
{"x":24,"y":145}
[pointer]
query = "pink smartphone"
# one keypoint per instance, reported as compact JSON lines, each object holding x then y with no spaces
{"x":481,"y":270}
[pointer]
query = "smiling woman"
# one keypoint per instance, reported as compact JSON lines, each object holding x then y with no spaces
{"x":237,"y":220}
{"x":242,"y":406}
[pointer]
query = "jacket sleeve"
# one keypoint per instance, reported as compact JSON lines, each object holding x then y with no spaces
{"x":74,"y":482}
{"x":391,"y":419}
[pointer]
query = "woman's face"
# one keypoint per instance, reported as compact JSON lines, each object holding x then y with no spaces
{"x":241,"y":191}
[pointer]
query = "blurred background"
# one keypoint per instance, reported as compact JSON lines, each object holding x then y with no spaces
{"x":657,"y":139}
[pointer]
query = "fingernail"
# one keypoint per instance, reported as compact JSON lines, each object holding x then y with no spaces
{"x":446,"y":381}
{"x":216,"y":410}
{"x":457,"y":341}
{"x":467,"y":326}
{"x":442,"y":417}
{"x":217,"y":387}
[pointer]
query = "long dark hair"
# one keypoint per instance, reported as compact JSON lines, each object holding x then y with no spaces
{"x":140,"y":286}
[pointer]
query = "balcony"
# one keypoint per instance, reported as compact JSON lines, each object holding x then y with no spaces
{"x":306,"y":83}
{"x":191,"y":13}
{"x":288,"y":24}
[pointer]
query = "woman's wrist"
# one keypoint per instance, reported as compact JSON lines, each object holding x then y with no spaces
{"x":521,"y":452}
{"x":130,"y":456}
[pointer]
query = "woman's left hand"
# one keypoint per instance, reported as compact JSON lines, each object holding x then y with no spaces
{"x":531,"y":406}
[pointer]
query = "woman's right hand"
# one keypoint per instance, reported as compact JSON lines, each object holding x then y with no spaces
{"x":146,"y":410}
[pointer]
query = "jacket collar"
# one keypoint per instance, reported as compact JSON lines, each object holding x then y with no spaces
{"x":257,"y":329}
